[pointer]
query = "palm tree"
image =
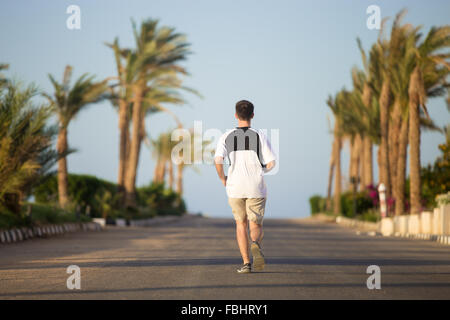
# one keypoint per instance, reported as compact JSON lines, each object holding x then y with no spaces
{"x":337,"y":147}
{"x":431,"y":68}
{"x":377,"y":98}
{"x":26,"y":153}
{"x":382,"y":54}
{"x":67,"y":102}
{"x":387,"y":107}
{"x":403,"y":38}
{"x":397,"y":49}
{"x":155,"y":60}
{"x":160,"y":92}
{"x":194,"y":153}
{"x":3,"y":80}
{"x":356,"y":124}
{"x":395,"y":62}
{"x":331,"y":175}
{"x":367,"y":142}
{"x":162,"y":147}
{"x":371,"y":82}
{"x":121,"y":99}
{"x":349,"y":110}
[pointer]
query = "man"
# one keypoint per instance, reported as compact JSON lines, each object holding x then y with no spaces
{"x":250,"y":156}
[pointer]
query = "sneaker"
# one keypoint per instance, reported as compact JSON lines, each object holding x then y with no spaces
{"x":246,"y":268}
{"x":258,"y":257}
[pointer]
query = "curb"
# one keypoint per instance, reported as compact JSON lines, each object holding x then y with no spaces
{"x":153,"y":221}
{"x":364,"y":225}
{"x":369,"y":233}
{"x":442,"y":239}
{"x":160,"y":220}
{"x":21,"y":234}
{"x":373,"y":229}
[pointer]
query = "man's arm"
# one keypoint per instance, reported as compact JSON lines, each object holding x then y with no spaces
{"x":219,"y":168}
{"x":267,"y":153}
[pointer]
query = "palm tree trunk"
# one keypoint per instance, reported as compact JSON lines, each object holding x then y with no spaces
{"x":330,"y":175}
{"x":384,"y":144}
{"x":128,"y":147}
{"x":358,"y":161}
{"x":162,"y":171}
{"x":135,"y":143}
{"x":394,"y":133}
{"x":355,"y":149}
{"x":362,"y":164}
{"x":157,"y":170}
{"x":337,"y":179}
{"x":351,"y":169}
{"x":414,"y":142}
{"x":170,"y":174}
{"x":180,"y":179}
{"x":61,"y":146}
{"x":379,"y":161}
{"x":123,"y":142}
{"x":368,"y":161}
{"x":399,"y":187}
{"x":367,"y":143}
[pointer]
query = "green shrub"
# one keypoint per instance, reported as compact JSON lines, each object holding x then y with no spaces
{"x":317,"y":204}
{"x":84,"y":191}
{"x":10,"y":220}
{"x":41,"y":214}
{"x":363,"y":203}
{"x":103,"y":198}
{"x":371,"y":215}
{"x":163,"y":201}
{"x":435,"y":178}
{"x":48,"y":214}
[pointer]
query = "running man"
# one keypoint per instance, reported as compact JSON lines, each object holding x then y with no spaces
{"x":250,"y":156}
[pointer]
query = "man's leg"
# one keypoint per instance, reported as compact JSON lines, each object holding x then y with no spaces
{"x":256,"y":232}
{"x":240,"y":216}
{"x":255,"y":212}
{"x":242,"y":239}
{"x":255,"y":208}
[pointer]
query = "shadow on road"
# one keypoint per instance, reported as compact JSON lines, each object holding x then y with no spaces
{"x":177,"y":262}
{"x":233,"y":287}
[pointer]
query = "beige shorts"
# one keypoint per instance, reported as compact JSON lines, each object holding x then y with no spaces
{"x":248,"y":208}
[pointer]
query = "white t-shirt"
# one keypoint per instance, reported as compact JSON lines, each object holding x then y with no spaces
{"x":248,"y":152}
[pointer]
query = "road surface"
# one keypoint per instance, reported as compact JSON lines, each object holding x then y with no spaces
{"x":196,"y":258}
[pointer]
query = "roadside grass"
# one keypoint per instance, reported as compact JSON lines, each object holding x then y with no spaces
{"x":45,"y":214}
{"x":35,"y":214}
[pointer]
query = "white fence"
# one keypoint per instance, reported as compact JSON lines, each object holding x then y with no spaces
{"x":20,"y":234}
{"x":426,"y":225}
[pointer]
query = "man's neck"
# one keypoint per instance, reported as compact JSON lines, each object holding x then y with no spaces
{"x":243,"y":123}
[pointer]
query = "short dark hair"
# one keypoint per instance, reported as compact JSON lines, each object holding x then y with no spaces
{"x":244,"y":110}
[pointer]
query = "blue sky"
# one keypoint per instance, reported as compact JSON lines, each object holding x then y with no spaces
{"x":284,"y":56}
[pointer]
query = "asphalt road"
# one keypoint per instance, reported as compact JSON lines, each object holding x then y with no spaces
{"x":196,"y":258}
